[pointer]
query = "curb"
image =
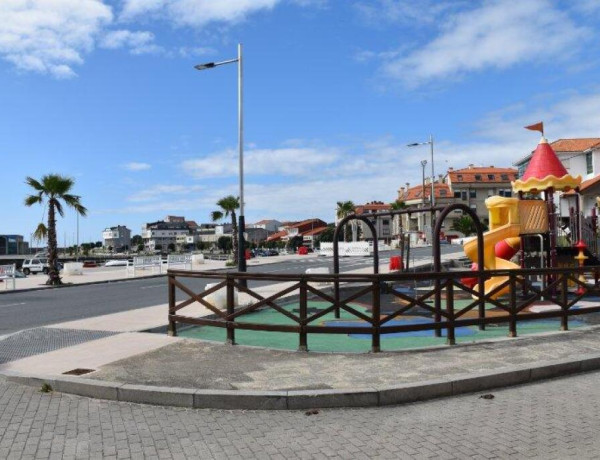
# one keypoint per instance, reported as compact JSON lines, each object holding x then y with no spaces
{"x":307,"y":399}
{"x":89,"y":283}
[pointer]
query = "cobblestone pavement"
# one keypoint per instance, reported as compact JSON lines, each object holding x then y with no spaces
{"x":554,"y":419}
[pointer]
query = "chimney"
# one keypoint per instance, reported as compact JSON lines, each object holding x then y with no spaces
{"x":407,"y":185}
{"x":492,"y":166}
{"x":471,"y":166}
{"x":450,"y":169}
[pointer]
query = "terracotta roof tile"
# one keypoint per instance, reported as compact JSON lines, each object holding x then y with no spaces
{"x":315,"y":231}
{"x":416,"y":192}
{"x":484,"y":175}
{"x":575,"y":145}
{"x":277,"y":236}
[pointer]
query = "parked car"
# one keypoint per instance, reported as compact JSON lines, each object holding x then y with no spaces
{"x":37,"y":266}
{"x":89,"y":263}
{"x":116,"y":263}
{"x":272,"y":252}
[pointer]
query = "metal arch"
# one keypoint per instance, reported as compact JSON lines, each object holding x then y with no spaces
{"x":336,"y":254}
{"x":437,"y":264}
{"x":336,"y":234}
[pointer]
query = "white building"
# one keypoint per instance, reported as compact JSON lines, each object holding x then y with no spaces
{"x":117,"y":238}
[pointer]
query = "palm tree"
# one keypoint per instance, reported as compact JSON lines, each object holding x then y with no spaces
{"x":228,"y":206}
{"x":53,"y":190}
{"x":345,"y":208}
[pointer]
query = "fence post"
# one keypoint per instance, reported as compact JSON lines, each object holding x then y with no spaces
{"x":376,"y":316}
{"x":437,"y":316}
{"x":564,"y":320}
{"x":303,"y":345}
{"x":451,"y":339}
{"x":172,"y":328}
{"x":230,"y":311}
{"x":512,"y":322}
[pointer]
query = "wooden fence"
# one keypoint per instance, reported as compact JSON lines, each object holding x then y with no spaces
{"x":564,"y":288}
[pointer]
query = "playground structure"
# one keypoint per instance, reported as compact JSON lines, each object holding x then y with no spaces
{"x":500,"y":291}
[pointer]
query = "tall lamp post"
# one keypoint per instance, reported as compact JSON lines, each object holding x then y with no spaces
{"x":242,"y":223}
{"x":430,"y":142}
{"x":423,"y":164}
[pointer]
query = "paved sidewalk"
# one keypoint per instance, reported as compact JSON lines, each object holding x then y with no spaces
{"x":126,"y":363}
{"x":553,"y":420}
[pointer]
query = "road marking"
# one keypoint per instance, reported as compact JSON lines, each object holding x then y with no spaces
{"x":153,"y":286}
{"x":12,"y":304}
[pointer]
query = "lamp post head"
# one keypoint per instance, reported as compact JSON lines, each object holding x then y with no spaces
{"x":208,"y":65}
{"x":423,"y":163}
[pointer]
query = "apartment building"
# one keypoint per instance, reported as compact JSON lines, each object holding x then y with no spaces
{"x":117,"y":238}
{"x":470,"y":186}
{"x":162,"y":233}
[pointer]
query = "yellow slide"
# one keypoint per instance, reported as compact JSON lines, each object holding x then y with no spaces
{"x":490,"y":261}
{"x":504,"y":225}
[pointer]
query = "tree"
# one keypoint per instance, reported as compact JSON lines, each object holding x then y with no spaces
{"x":466,"y":226}
{"x":224,"y":243}
{"x":140,"y":247}
{"x":228,"y":206}
{"x":136,"y":240}
{"x":53,"y":191}
{"x":327,"y":234}
{"x":344,"y":209}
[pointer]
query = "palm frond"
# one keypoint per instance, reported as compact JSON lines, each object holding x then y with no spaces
{"x":58,"y":206}
{"x":41,"y":232}
{"x":216,"y":216}
{"x":30,"y":200}
{"x":33,"y":183}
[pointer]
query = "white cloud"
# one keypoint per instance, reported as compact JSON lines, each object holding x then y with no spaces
{"x":141,"y":42}
{"x":195,"y":12}
{"x":498,"y":34}
{"x":298,"y":161}
{"x":159,"y":191}
{"x":135,"y":166}
{"x":50,"y":36}
{"x":404,"y":11}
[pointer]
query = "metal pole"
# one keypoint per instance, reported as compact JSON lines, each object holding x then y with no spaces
{"x":242,"y":222}
{"x":422,"y":215}
{"x":77,"y":248}
{"x":432,"y":187}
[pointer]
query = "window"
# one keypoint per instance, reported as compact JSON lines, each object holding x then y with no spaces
{"x":589,"y":165}
{"x":506,"y":193}
{"x":472,"y":193}
{"x":459,"y":177}
{"x":478,"y":177}
{"x":463,"y":195}
{"x":457,"y":194}
{"x":504,"y":177}
{"x":491,"y":177}
{"x":385,"y":222}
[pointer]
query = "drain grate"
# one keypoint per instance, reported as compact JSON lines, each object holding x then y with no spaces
{"x":79,"y":371}
{"x":42,"y":340}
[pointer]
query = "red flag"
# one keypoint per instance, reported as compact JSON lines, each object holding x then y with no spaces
{"x":536,"y":127}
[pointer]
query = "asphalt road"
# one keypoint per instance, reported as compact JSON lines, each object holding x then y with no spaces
{"x":23,"y":310}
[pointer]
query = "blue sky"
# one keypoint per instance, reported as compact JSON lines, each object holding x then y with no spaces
{"x":104,"y":91}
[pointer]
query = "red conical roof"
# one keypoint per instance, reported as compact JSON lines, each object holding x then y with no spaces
{"x":545,"y":171}
{"x":544,"y":163}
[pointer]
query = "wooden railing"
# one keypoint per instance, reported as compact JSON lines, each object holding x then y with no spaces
{"x":564,"y":288}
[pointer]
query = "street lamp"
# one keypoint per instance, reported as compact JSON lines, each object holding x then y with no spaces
{"x":241,"y":224}
{"x":430,"y":142}
{"x":423,"y":164}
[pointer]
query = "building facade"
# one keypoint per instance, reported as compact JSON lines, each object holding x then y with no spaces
{"x":13,"y":245}
{"x":117,"y":238}
{"x":161,"y":234}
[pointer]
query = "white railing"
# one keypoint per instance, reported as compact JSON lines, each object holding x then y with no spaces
{"x":354,"y":249}
{"x":153,"y":263}
{"x":181,"y":261}
{"x":8,"y":272}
